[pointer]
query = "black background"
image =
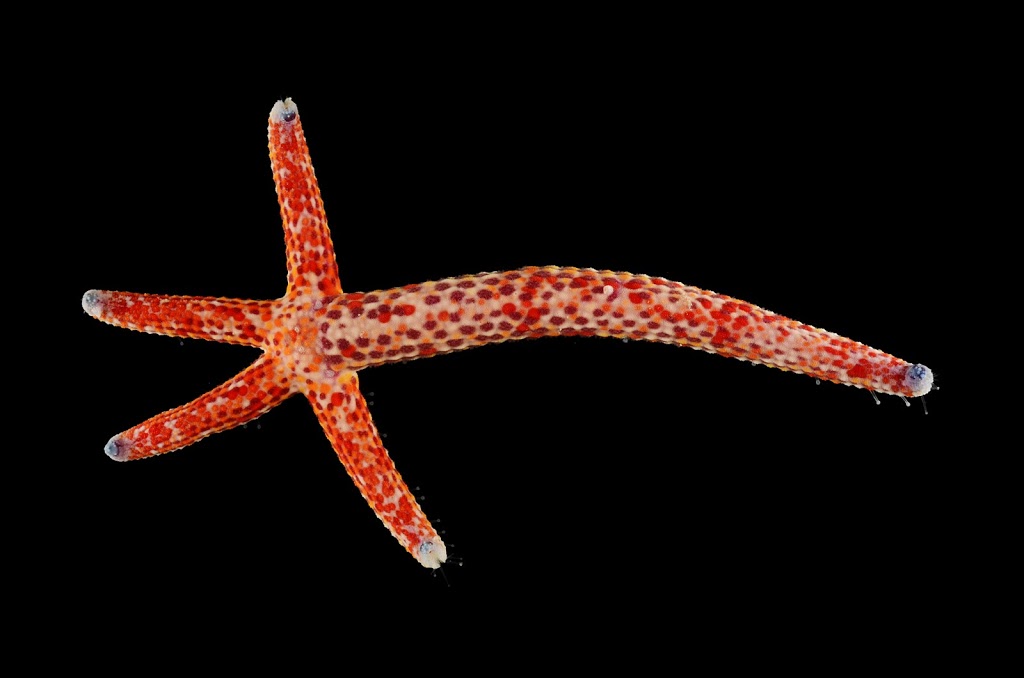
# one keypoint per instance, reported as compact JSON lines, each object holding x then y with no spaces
{"x":807,"y":177}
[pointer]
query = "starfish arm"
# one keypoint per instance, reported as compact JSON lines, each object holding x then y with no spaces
{"x":311,"y":262}
{"x":346,"y":420}
{"x":234,"y":321}
{"x":458,"y":313}
{"x":247,"y":395}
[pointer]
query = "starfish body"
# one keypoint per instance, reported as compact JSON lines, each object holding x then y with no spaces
{"x":316,"y":337}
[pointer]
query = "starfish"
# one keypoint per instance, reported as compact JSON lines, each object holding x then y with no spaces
{"x":316,"y":338}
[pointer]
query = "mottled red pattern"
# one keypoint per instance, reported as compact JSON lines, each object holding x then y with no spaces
{"x":316,"y":337}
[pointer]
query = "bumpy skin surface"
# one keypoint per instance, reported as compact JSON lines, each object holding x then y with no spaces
{"x":316,"y":337}
{"x":358,"y":330}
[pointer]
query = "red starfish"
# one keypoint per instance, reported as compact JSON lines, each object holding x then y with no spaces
{"x":315,"y":338}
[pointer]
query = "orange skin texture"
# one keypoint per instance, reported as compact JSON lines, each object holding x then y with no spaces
{"x":316,"y":337}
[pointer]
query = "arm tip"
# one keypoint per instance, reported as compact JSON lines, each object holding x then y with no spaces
{"x":432,"y":554}
{"x":284,"y":112}
{"x":118,"y":449}
{"x":919,"y":380}
{"x":93,"y":301}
